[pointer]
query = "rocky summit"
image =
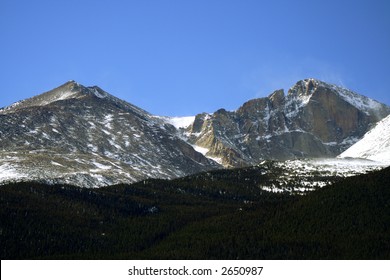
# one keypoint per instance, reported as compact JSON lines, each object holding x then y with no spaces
{"x":315,"y":119}
{"x":86,"y":137}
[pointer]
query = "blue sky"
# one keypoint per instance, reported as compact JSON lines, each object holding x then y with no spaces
{"x":184,"y":57}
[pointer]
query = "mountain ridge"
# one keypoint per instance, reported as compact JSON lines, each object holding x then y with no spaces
{"x":313,"y":119}
{"x":68,"y":91}
{"x":85,"y":136}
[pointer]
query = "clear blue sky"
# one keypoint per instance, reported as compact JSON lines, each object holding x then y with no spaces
{"x":188,"y":56}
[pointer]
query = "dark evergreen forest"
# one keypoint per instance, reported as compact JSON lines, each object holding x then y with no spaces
{"x":214,"y":215}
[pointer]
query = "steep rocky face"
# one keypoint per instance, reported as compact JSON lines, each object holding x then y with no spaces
{"x":85,"y":136}
{"x":314,"y":119}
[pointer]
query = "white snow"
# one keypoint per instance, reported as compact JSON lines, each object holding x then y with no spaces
{"x":113,"y":144}
{"x":272,"y":189}
{"x":204,"y":152}
{"x":8,"y":172}
{"x":359,"y":101}
{"x":107,"y":121}
{"x":65,"y":95}
{"x":61,"y":95}
{"x":346,"y":167}
{"x":106,"y":132}
{"x":102,"y":166}
{"x":93,"y":147}
{"x":98,"y":94}
{"x":305,"y":99}
{"x":294,"y":105}
{"x":56,"y":163}
{"x":363,"y":103}
{"x":375,"y":145}
{"x":15,"y":104}
{"x":300,"y":176}
{"x":216,"y":159}
{"x":201,"y":150}
{"x":350,"y":141}
{"x":179,"y":122}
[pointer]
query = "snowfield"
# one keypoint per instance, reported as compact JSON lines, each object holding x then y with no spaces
{"x":178,"y":122}
{"x":9,"y":173}
{"x":375,"y":145}
{"x":300,"y":176}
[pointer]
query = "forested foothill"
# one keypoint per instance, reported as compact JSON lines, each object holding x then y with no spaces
{"x":221,"y":214}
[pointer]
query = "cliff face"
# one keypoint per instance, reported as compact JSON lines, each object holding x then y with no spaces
{"x":314,"y":119}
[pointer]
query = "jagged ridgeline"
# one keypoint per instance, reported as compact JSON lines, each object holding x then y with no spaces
{"x":86,"y":137}
{"x":85,"y":175}
{"x":315,"y":119}
{"x":213,"y":215}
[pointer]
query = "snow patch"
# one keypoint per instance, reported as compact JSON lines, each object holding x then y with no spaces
{"x":64,"y":95}
{"x":300,"y":176}
{"x":201,"y":150}
{"x":216,"y":159}
{"x":93,"y":147}
{"x":8,"y":172}
{"x":99,"y":94}
{"x":179,"y":122}
{"x":361,"y":102}
{"x":56,"y":163}
{"x":102,"y":166}
{"x":204,"y":152}
{"x":107,"y":121}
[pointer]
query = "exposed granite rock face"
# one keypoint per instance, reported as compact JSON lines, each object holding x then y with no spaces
{"x":314,"y":119}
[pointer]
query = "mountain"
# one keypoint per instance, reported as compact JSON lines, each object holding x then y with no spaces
{"x":314,"y":119}
{"x":85,"y":136}
{"x":375,"y":145}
